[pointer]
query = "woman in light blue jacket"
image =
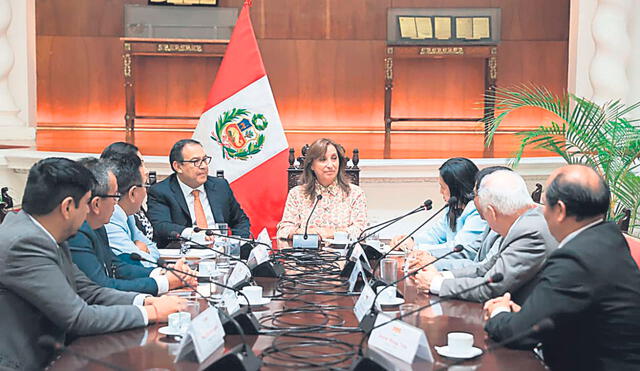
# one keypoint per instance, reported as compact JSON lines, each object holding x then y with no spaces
{"x":460,"y":223}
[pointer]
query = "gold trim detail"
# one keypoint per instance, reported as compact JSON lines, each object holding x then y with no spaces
{"x":390,"y":51}
{"x":179,"y":48}
{"x":493,"y":68}
{"x":388,"y":68}
{"x":127,"y":46}
{"x":442,"y":51}
{"x":126,"y":64}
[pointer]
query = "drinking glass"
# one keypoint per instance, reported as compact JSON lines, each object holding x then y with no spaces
{"x":234,"y":247}
{"x":222,"y":261}
{"x":217,"y":279}
{"x":192,"y":307}
{"x":412,"y":319}
{"x":389,"y":270}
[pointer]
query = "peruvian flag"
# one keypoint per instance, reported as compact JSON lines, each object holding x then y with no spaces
{"x":241,"y":129}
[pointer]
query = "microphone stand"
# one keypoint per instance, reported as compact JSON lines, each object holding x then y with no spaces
{"x":544,"y":324}
{"x":363,"y":363}
{"x":369,"y":319}
{"x":47,"y":341}
{"x":303,"y":242}
{"x":245,"y":317}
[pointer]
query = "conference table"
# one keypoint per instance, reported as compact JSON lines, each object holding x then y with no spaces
{"x":147,"y":349}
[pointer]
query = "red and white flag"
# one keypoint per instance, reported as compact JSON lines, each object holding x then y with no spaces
{"x":241,"y":129}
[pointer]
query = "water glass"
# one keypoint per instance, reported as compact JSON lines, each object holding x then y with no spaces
{"x":234,"y":247}
{"x":192,"y":307}
{"x":414,"y":318}
{"x":389,"y":270}
{"x":222,"y":261}
{"x":217,"y":279}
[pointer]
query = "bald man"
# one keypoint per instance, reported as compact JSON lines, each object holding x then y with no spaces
{"x":589,"y":287}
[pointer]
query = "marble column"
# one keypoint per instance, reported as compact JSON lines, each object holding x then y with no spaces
{"x":16,"y":121}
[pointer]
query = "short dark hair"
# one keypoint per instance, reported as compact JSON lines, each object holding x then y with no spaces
{"x":100,"y":170}
{"x":118,"y":149}
{"x":53,"y":179}
{"x":176,"y":150}
{"x":486,"y":171}
{"x":127,"y":171}
{"x":459,"y":174}
{"x":581,"y":201}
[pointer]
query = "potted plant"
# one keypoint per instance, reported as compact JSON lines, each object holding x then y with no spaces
{"x":600,"y":136}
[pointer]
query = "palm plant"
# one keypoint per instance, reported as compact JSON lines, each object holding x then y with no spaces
{"x":600,"y":136}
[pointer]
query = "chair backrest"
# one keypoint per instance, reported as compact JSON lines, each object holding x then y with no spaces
{"x":634,"y":247}
{"x":6,"y":203}
{"x":623,"y":222}
{"x":537,"y":194}
{"x":296,"y":165}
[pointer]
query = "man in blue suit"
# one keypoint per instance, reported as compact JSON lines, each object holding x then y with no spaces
{"x":190,"y":197}
{"x":90,"y":249}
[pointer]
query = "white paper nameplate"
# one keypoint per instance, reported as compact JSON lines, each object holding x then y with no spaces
{"x":353,"y":279}
{"x":239,"y":272}
{"x":260,"y":254}
{"x":364,"y":303}
{"x":400,"y":340}
{"x":356,"y":252}
{"x":204,"y":336}
{"x":264,"y":237}
{"x":230,"y":300}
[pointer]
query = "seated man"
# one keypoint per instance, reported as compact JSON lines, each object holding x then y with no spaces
{"x":90,"y":249}
{"x":505,"y":203}
{"x":124,"y":236}
{"x":589,"y":287}
{"x":189,"y":197}
{"x":41,"y":291}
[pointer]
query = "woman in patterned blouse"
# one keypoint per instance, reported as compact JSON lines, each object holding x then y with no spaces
{"x":343,"y":207}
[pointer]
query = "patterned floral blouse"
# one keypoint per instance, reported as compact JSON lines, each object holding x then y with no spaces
{"x":335,"y":210}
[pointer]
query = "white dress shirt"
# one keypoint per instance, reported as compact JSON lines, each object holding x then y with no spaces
{"x":138,"y":300}
{"x":188,"y":196}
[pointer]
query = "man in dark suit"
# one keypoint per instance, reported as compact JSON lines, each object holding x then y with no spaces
{"x":90,"y":249}
{"x":41,"y":291}
{"x":190,"y":197}
{"x":589,"y":287}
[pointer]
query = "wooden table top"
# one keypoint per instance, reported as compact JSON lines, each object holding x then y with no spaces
{"x":146,"y":348}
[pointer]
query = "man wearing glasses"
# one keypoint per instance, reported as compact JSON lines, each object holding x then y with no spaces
{"x":124,"y":236}
{"x":191,"y":198}
{"x":90,"y":249}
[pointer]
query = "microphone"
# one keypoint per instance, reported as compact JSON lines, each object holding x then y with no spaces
{"x":249,"y":323}
{"x":407,"y":236}
{"x":211,"y":232}
{"x":178,"y":237}
{"x":371,"y":319}
{"x":48,"y":342}
{"x":304,"y":242}
{"x":364,"y":363}
{"x":544,"y":325}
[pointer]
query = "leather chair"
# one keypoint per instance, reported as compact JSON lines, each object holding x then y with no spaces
{"x":7,"y":203}
{"x":296,"y":165}
{"x":537,"y":194}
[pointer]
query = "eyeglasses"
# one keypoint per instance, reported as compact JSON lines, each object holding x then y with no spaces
{"x":145,"y":186}
{"x":197,"y":162}
{"x":116,"y":195}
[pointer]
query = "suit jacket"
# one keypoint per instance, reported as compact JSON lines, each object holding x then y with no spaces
{"x":90,"y":251}
{"x":521,"y":255}
{"x":43,"y":293}
{"x":169,"y":213}
{"x":487,"y":244}
{"x":590,"y":288}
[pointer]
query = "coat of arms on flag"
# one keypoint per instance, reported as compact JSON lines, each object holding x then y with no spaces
{"x":239,"y":133}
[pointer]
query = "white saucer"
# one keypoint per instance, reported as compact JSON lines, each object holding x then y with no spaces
{"x":262,"y":301}
{"x":166,"y":330}
{"x":446,"y":352}
{"x":395,"y":301}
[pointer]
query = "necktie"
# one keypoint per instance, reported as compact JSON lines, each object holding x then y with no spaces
{"x":201,"y":219}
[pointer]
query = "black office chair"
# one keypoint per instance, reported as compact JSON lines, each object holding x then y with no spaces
{"x":537,"y":194}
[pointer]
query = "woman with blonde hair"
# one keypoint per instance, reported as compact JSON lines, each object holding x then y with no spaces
{"x":343,"y":207}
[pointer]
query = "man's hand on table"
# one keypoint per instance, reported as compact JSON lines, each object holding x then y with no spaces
{"x":418,"y":258}
{"x":407,"y":245}
{"x":424,"y":278}
{"x":503,"y":303}
{"x":159,"y":308}
{"x":174,"y":277}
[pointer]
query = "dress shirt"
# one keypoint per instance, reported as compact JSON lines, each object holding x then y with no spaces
{"x":138,"y":300}
{"x":335,"y":210}
{"x":564,"y":241}
{"x":122,"y":233}
{"x":188,"y":196}
{"x":439,"y":239}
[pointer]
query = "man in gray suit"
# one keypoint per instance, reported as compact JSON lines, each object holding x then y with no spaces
{"x":504,"y":202}
{"x":41,"y":291}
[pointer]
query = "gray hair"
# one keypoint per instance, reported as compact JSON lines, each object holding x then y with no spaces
{"x":100,"y":170}
{"x":506,"y":191}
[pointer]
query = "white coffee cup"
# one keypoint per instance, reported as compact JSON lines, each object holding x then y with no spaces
{"x":206,"y":268}
{"x":253,"y":293}
{"x":460,"y":342}
{"x":340,"y":237}
{"x":376,"y":244}
{"x":178,"y":322}
{"x":386,"y":294}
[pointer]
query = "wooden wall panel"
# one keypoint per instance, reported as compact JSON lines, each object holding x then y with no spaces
{"x":358,"y":19}
{"x":344,"y":88}
{"x":173,"y":86}
{"x":295,"y":19}
{"x":80,"y":80}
